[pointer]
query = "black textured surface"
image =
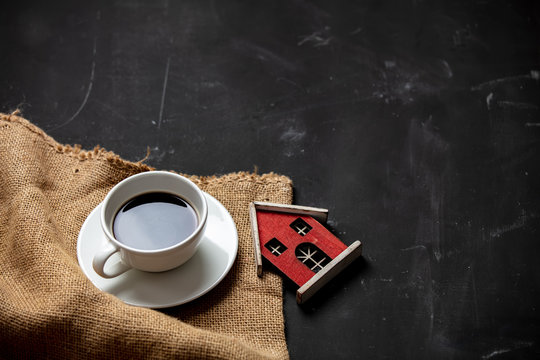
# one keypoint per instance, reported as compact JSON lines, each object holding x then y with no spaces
{"x":416,"y":123}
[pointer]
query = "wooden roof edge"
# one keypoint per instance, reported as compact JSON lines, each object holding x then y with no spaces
{"x":340,"y":262}
{"x":256,"y":241}
{"x":319,"y":214}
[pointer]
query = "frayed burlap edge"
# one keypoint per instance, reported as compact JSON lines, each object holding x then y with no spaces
{"x":100,"y":153}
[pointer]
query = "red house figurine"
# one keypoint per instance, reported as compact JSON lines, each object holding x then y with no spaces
{"x":293,"y":239}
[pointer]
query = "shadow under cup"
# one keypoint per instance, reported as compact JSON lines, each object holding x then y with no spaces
{"x":148,"y":259}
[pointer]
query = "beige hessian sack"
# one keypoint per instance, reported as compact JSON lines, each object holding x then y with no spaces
{"x":49,"y":309}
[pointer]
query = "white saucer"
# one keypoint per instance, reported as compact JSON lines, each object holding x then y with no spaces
{"x":209,"y":265}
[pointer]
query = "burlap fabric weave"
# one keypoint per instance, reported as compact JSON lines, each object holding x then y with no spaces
{"x":49,"y":309}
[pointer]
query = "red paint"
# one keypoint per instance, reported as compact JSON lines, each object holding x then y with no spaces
{"x":277,"y":225}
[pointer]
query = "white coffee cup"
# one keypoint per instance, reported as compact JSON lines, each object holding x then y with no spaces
{"x":154,"y":260}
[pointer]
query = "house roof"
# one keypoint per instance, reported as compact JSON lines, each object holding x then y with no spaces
{"x":319,"y":214}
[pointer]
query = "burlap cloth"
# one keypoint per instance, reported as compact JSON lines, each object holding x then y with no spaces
{"x":49,"y":309}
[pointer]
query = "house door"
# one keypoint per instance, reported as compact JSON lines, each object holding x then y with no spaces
{"x":311,"y":256}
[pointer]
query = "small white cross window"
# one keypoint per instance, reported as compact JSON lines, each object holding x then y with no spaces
{"x":275,"y":246}
{"x":300,"y":226}
{"x":275,"y":250}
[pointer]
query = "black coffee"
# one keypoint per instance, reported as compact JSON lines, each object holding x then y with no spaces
{"x":154,"y":221}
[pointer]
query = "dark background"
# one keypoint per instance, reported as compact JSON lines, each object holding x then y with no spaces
{"x":416,"y":123}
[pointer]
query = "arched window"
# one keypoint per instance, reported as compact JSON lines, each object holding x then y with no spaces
{"x":311,"y":256}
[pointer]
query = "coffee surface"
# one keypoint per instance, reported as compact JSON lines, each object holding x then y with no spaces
{"x":154,"y":221}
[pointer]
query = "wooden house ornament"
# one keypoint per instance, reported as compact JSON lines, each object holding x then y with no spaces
{"x":294,"y":239}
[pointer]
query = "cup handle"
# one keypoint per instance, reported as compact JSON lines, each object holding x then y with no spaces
{"x":100,"y":258}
